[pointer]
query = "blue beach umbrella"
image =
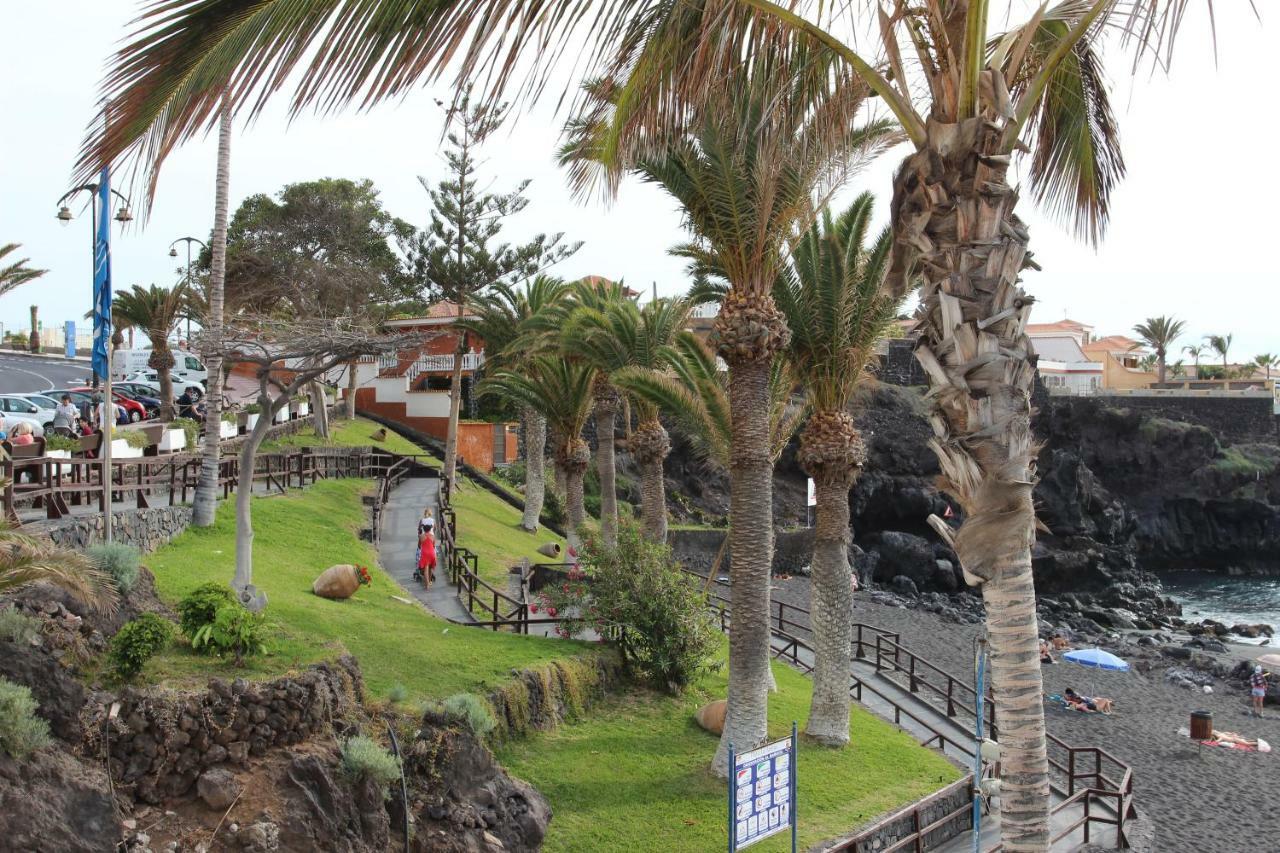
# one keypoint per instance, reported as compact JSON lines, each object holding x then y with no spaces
{"x":1097,"y":659}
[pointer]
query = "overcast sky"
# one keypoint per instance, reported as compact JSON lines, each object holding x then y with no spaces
{"x":1198,"y":204}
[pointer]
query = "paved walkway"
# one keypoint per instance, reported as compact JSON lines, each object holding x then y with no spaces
{"x":398,"y":543}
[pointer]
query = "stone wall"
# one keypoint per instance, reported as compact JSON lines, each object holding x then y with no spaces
{"x":161,"y":741}
{"x":696,"y":550}
{"x":1234,"y":420}
{"x":540,"y":699}
{"x":146,"y":529}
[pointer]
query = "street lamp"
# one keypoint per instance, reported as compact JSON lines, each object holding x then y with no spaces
{"x":108,"y":400}
{"x":173,"y":253}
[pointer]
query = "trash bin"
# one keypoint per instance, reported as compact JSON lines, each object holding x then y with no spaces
{"x":1201,"y":725}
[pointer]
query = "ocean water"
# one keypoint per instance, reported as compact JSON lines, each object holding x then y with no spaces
{"x":1226,"y":599}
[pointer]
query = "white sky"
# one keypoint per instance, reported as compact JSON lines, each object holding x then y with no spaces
{"x":1199,"y":199}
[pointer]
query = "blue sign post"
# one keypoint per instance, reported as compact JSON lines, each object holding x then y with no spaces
{"x":762,"y":793}
{"x":70,"y":335}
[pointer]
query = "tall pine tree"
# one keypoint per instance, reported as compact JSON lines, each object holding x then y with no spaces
{"x":453,"y":256}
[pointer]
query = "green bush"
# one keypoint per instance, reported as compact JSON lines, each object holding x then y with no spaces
{"x":17,"y":626}
{"x":397,"y":694}
{"x":118,"y":560}
{"x":231,"y":417}
{"x":21,"y":731}
{"x":364,"y":758}
{"x":513,"y":475}
{"x":135,"y":438}
{"x":654,"y":611}
{"x":235,"y":631}
{"x":137,"y":642}
{"x":472,"y":710}
{"x":553,"y":509}
{"x":191,"y":427}
{"x":253,"y":409}
{"x":200,"y":606}
{"x":53,"y":441}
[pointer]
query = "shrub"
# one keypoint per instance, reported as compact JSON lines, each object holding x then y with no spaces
{"x":234,"y":630}
{"x":231,"y":417}
{"x":21,"y":731}
{"x":253,"y":409}
{"x":53,"y":441}
{"x":364,"y":758}
{"x":137,"y":642}
{"x":397,"y":694}
{"x":654,"y":611}
{"x":134,"y":438}
{"x":191,"y":427}
{"x":17,"y":626}
{"x":513,"y":474}
{"x":200,"y":606}
{"x":553,"y":510}
{"x":118,"y":560}
{"x":472,"y":710}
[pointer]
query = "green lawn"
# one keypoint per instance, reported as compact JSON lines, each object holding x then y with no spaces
{"x":634,"y":776}
{"x":296,"y":537}
{"x":344,"y":433}
{"x":490,"y":527}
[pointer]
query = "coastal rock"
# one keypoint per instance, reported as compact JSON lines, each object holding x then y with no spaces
{"x":218,"y":788}
{"x":54,"y":801}
{"x":903,"y":555}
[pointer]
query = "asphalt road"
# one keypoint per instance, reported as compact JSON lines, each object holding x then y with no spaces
{"x":31,"y":374}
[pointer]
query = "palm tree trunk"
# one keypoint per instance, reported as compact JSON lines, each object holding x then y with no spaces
{"x":535,"y":471}
{"x":606,"y":414}
{"x":572,"y":459}
{"x":831,"y":597}
{"x":205,"y":503}
{"x":751,"y":556}
{"x":954,"y":227}
{"x":1160,"y":367}
{"x":352,"y":377}
{"x":649,"y":446}
{"x":455,"y":408}
{"x":165,"y":376}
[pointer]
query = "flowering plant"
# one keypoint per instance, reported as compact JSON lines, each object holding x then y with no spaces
{"x":566,"y":601}
{"x":362,"y":572}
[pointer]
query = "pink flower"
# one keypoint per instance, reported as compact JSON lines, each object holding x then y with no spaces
{"x":533,"y":608}
{"x":551,"y":611}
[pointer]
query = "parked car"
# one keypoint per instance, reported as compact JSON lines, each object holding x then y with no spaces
{"x":15,"y":404}
{"x":150,"y":403}
{"x":135,"y":410}
{"x":9,"y":420}
{"x":44,"y":401}
{"x":152,"y":381}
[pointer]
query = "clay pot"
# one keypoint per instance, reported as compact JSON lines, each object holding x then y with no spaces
{"x":337,"y":582}
{"x":711,"y":716}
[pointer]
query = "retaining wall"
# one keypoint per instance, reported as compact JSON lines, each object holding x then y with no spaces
{"x":161,"y":741}
{"x":145,"y":529}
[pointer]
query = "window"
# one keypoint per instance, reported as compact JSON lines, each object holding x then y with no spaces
{"x":194,"y":364}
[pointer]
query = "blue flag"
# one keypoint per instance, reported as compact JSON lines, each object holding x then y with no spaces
{"x":102,"y":280}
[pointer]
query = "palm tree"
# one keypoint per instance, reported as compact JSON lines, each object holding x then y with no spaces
{"x":560,"y":389}
{"x":978,"y":97}
{"x":1159,"y":333}
{"x":205,"y":504}
{"x":1195,"y":351}
{"x":15,"y":273}
{"x":503,"y":319}
{"x":744,"y":170}
{"x":831,"y":294}
{"x":624,"y":335}
{"x":1266,"y":362}
{"x":26,"y":560}
{"x":157,"y":312}
{"x":1220,"y":345}
{"x":598,"y":296}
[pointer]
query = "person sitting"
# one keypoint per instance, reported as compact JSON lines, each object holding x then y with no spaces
{"x":186,"y":403}
{"x":1046,"y":653}
{"x":3,"y":432}
{"x":1059,"y":643}
{"x":22,"y":434}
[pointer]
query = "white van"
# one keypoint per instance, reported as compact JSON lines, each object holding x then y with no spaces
{"x":127,"y":362}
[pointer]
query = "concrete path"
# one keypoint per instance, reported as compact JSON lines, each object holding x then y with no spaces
{"x":399,"y":540}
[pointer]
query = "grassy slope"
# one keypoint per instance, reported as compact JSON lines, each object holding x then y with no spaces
{"x":344,"y":433}
{"x":297,"y":537}
{"x":634,"y":776}
{"x":491,"y":528}
{"x":487,"y":525}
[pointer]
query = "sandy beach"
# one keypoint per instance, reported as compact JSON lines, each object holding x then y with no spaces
{"x":1199,"y":798}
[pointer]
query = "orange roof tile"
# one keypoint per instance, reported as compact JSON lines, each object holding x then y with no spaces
{"x":1113,"y":343}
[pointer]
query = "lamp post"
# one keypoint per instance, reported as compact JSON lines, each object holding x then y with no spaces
{"x":173,"y":253}
{"x":108,"y":402}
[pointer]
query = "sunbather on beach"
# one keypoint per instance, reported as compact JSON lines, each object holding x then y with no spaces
{"x":1046,"y":653}
{"x":1232,"y":737}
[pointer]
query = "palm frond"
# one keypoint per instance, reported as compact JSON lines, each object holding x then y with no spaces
{"x":17,"y":273}
{"x":25,"y":560}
